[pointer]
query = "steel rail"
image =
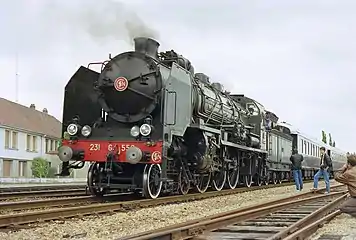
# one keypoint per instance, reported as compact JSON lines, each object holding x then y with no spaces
{"x":22,"y":205}
{"x":303,"y":227}
{"x":6,"y":189}
{"x":60,"y":202}
{"x":308,"y":230}
{"x":67,"y":212}
{"x":43,"y":193}
{"x":198,"y":227}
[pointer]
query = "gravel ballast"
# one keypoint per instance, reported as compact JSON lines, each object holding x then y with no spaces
{"x":135,"y":221}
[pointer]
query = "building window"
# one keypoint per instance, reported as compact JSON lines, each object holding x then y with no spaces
{"x":47,"y":145}
{"x":22,"y":168}
{"x":34,"y":143}
{"x":7,"y":139}
{"x":11,"y":139}
{"x":14,"y":140}
{"x":28,"y":143}
{"x":51,"y":145}
{"x":31,"y":143}
{"x":7,"y":165}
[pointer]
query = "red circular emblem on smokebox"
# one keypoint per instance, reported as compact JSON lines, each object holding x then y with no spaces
{"x":121,"y":84}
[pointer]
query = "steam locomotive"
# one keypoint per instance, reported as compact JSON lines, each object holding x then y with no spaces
{"x":149,"y":124}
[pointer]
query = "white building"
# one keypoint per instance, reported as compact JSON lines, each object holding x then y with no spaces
{"x":26,"y":133}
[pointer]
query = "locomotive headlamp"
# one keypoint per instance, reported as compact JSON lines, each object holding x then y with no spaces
{"x":86,"y":131}
{"x":145,"y":129}
{"x":135,"y":131}
{"x":72,"y":129}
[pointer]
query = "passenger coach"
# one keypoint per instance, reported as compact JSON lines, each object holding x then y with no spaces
{"x":310,"y":149}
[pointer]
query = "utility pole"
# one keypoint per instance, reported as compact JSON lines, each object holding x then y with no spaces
{"x":17,"y":77}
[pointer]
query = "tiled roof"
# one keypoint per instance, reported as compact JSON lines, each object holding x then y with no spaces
{"x":19,"y":116}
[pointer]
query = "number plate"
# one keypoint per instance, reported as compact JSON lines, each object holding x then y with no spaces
{"x":109,"y":147}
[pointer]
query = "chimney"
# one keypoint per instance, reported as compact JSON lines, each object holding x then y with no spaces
{"x":45,"y":110}
{"x":147,"y":46}
{"x":33,"y":106}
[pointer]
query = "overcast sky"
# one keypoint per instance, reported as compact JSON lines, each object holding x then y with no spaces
{"x":296,"y":57}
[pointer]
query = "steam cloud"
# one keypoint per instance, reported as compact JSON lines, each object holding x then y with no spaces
{"x":99,"y":19}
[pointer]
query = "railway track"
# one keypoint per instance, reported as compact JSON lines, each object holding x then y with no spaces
{"x":18,"y":218}
{"x":290,"y":218}
{"x":73,"y":199}
{"x":40,"y":188}
{"x":60,"y":202}
{"x":43,"y":193}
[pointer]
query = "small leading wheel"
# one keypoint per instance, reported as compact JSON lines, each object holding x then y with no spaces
{"x":219,"y":176}
{"x":93,"y":180}
{"x":183,"y":183}
{"x":233,"y":172}
{"x":274,"y":177}
{"x":248,"y":180}
{"x":203,"y":182}
{"x":152,"y":183}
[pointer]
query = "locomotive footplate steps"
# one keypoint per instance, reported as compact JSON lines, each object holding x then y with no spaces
{"x":287,"y":218}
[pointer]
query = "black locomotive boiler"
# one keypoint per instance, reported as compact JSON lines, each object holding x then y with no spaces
{"x":149,"y":124}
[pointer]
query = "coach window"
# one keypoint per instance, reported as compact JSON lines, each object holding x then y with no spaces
{"x":305,"y":147}
{"x":315,"y":151}
{"x":315,"y":148}
{"x":311,"y":149}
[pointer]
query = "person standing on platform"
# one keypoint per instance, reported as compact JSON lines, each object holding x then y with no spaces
{"x":325,"y":162}
{"x":296,"y":168}
{"x":347,"y":176}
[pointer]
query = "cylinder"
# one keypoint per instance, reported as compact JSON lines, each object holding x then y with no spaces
{"x":147,"y":46}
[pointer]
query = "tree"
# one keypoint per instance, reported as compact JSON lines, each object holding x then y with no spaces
{"x":333,"y":143}
{"x":323,"y":136}
{"x":39,"y":167}
{"x":330,"y":140}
